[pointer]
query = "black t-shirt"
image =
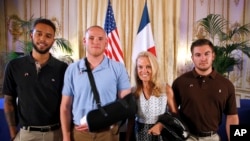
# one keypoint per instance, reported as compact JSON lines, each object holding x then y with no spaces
{"x":38,"y":94}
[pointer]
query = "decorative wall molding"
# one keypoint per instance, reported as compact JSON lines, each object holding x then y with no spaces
{"x":72,"y":17}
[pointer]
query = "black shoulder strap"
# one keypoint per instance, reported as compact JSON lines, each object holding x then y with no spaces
{"x":94,"y":89}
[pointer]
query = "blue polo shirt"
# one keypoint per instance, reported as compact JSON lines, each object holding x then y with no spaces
{"x":110,"y":77}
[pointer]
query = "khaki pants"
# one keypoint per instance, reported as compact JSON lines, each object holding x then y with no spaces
{"x":105,"y":135}
{"x":26,"y":135}
{"x":214,"y":137}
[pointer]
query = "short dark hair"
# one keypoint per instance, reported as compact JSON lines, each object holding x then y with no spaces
{"x":200,"y":42}
{"x":44,"y":21}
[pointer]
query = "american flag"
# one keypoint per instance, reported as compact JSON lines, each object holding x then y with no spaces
{"x":114,"y":50}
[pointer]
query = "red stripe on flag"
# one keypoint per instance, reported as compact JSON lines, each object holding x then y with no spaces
{"x":152,"y":50}
{"x":114,"y":50}
{"x":116,"y":45}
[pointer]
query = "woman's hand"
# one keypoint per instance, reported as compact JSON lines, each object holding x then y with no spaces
{"x":156,"y":129}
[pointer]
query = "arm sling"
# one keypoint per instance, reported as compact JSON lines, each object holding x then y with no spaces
{"x":105,"y":116}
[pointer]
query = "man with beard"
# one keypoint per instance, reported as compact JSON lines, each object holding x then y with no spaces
{"x":32,"y":89}
{"x":203,"y":95}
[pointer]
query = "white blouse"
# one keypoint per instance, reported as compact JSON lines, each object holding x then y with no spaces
{"x":150,"y":109}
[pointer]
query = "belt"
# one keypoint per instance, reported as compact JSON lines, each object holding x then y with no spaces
{"x":101,"y":130}
{"x":42,"y":128}
{"x":205,"y":134}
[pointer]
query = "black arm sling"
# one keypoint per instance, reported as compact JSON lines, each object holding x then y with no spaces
{"x":109,"y":114}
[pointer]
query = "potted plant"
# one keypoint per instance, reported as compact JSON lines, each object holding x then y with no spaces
{"x":227,"y":40}
{"x":20,"y":30}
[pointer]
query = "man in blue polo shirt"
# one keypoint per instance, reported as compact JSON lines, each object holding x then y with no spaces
{"x":32,"y":88}
{"x":111,"y":80}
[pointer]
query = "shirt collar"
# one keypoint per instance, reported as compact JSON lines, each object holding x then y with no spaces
{"x":211,"y":75}
{"x":50,"y":62}
{"x":104,"y":64}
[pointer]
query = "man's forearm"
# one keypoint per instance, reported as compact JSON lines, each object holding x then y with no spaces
{"x":231,"y":120}
{"x":10,"y":115}
{"x":65,"y":116}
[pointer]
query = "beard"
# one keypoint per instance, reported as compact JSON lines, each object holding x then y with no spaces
{"x":41,"y":51}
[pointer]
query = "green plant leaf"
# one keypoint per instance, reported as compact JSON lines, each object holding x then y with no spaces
{"x":243,"y":30}
{"x":213,"y":24}
{"x":229,"y":41}
{"x":13,"y":55}
{"x":64,"y":45}
{"x":25,"y":26}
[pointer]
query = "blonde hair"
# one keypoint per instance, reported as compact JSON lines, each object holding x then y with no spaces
{"x":155,"y":82}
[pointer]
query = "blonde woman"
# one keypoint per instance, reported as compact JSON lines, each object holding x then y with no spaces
{"x":154,"y":98}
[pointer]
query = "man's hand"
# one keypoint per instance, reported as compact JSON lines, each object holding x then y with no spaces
{"x":83,"y":127}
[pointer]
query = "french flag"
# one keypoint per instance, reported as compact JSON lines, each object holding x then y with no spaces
{"x":144,"y":40}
